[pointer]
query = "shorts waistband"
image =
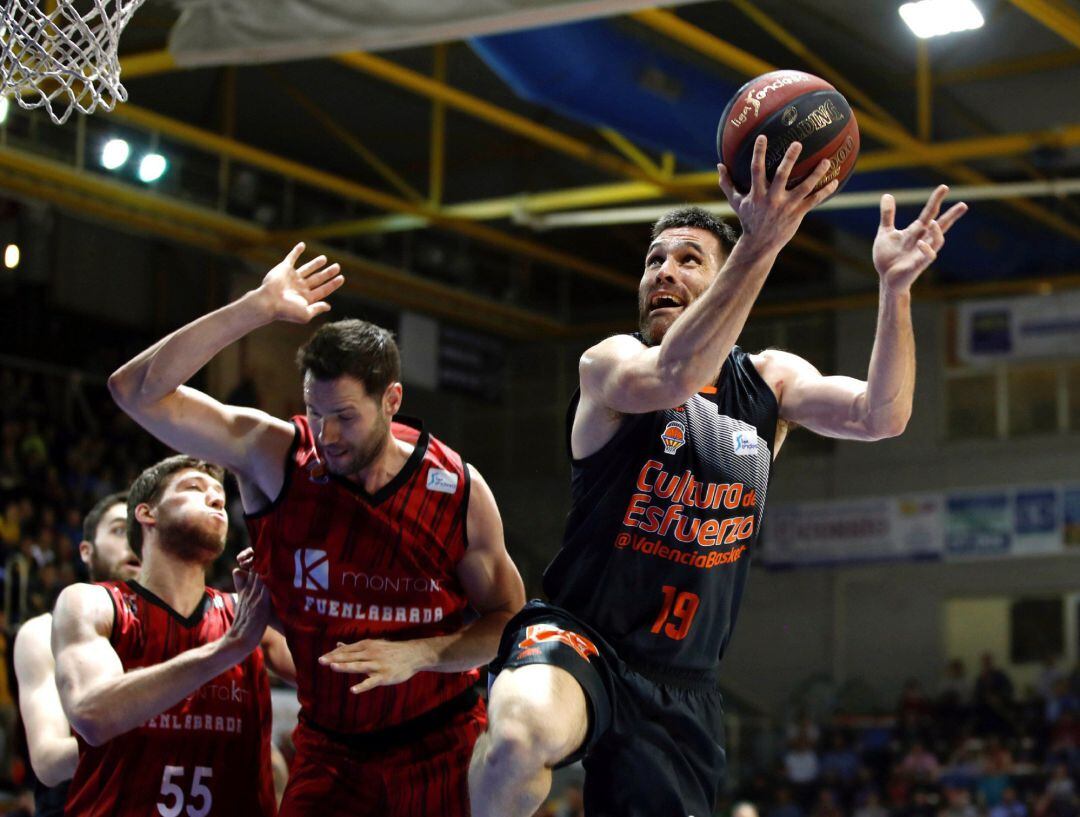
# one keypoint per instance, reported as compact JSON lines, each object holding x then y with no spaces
{"x":401,"y":734}
{"x":701,"y":680}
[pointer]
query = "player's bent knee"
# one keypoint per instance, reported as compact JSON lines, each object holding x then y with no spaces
{"x":536,"y":715}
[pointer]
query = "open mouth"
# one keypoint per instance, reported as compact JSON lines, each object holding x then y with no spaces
{"x":665,"y":300}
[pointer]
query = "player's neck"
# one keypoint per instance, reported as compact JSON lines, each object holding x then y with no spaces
{"x":177,"y":582}
{"x":384,"y":467}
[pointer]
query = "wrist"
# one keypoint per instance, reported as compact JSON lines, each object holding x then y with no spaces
{"x":258,"y":305}
{"x":754,"y":250}
{"x":898,"y":293}
{"x":427,"y":654}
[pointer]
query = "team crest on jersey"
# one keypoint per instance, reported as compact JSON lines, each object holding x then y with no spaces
{"x":317,"y":472}
{"x":445,"y":482}
{"x":312,"y":569}
{"x":674,"y":437}
{"x":537,"y":634}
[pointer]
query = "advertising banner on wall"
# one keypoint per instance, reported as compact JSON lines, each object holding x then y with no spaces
{"x":1030,"y":327}
{"x":991,"y":523}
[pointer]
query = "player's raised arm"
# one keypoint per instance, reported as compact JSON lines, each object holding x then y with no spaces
{"x":150,"y":387}
{"x":100,"y":699}
{"x":881,"y":405}
{"x":683,"y":278}
{"x":494,"y":589}
{"x":53,"y":749}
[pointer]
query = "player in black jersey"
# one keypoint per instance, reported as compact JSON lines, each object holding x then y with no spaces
{"x":672,"y":436}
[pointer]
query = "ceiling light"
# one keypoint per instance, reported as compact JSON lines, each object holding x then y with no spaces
{"x":152,"y":167}
{"x":932,"y":18}
{"x":114,"y":154}
{"x":5,"y":106}
{"x":11,"y":256}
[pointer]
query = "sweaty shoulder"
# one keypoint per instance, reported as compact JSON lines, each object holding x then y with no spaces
{"x":32,"y":642}
{"x":597,"y":361}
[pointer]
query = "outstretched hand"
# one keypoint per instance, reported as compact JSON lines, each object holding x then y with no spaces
{"x":901,"y":256}
{"x":252,"y":612}
{"x":769,"y":213}
{"x":383,"y":662}
{"x":298,"y":294}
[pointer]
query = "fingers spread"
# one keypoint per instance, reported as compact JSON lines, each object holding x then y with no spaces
{"x":888,"y":212}
{"x":320,"y":292}
{"x":295,"y":253}
{"x":933,"y":204}
{"x":311,"y":266}
{"x":812,"y":181}
{"x":952,"y":215}
{"x":726,"y":184}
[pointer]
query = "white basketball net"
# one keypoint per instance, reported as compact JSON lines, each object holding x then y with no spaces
{"x":62,"y":54}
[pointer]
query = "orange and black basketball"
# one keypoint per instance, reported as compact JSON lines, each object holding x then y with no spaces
{"x":788,"y":106}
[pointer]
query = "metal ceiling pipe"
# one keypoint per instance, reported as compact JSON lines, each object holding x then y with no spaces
{"x":1058,"y":188}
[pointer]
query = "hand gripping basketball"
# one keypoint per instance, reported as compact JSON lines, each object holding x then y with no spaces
{"x":296,"y":294}
{"x":769,"y":213}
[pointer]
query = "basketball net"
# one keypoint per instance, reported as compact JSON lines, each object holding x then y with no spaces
{"x":54,"y":56}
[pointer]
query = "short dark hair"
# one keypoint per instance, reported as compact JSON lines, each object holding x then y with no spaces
{"x":93,"y":518}
{"x":352,"y":347}
{"x":700,"y":219}
{"x":150,"y":484}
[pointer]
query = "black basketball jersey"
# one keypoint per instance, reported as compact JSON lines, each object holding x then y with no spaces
{"x":663,"y":522}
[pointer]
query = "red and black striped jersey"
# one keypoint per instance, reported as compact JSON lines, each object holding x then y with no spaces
{"x":343,"y":565}
{"x":209,"y":754}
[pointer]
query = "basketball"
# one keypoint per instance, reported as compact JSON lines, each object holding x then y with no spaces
{"x":788,"y":106}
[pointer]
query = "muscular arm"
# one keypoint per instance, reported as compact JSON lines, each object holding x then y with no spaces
{"x":100,"y":699}
{"x":251,"y":443}
{"x":494,"y":589}
{"x":53,"y":749}
{"x":622,"y":376}
{"x":879,"y":406}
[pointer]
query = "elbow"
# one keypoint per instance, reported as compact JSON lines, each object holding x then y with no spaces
{"x":121,"y":388}
{"x":94,"y":727}
{"x":886,"y":428}
{"x":52,"y":771}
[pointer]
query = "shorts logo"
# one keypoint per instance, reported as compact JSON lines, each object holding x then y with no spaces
{"x":536,"y":634}
{"x":743,"y":444}
{"x":445,"y":482}
{"x":312,"y":569}
{"x":674,"y":437}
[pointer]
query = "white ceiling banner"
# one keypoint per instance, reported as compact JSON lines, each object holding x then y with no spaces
{"x":229,"y":32}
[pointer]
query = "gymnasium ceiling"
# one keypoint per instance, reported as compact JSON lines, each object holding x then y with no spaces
{"x":340,"y":151}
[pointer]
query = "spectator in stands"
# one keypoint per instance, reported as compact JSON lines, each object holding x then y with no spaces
{"x":840,"y":767}
{"x":872,"y":807}
{"x":826,"y":805}
{"x":920,"y":766}
{"x":958,"y":804}
{"x":1010,"y":805}
{"x":1049,"y":677}
{"x":803,"y":727}
{"x":785,"y":805}
{"x":993,"y":700}
{"x":913,"y":712}
{"x":801,"y":768}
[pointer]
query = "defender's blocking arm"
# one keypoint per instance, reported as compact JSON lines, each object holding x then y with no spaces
{"x":150,"y":387}
{"x":100,"y":699}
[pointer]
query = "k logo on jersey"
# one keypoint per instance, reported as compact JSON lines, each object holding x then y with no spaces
{"x":537,"y":634}
{"x":312,"y":569}
{"x":674,"y":437}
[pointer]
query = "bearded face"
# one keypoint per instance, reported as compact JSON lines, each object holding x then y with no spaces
{"x":109,"y":557}
{"x":351,"y":427}
{"x":190,"y":519}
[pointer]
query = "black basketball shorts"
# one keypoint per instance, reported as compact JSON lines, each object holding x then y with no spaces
{"x":653,"y":748}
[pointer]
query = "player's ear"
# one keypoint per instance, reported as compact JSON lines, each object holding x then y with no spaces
{"x":86,"y":551}
{"x":144,"y":514}
{"x":392,"y":399}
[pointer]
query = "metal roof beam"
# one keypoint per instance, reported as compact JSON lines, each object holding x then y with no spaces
{"x":1055,"y":15}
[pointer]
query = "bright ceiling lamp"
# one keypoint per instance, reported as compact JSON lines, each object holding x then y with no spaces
{"x":11,"y":256}
{"x":114,"y":154}
{"x":5,"y":106}
{"x":933,"y":18}
{"x":152,"y":167}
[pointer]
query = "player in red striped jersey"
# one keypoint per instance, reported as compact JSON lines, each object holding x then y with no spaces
{"x":383,"y":551}
{"x":160,"y":677}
